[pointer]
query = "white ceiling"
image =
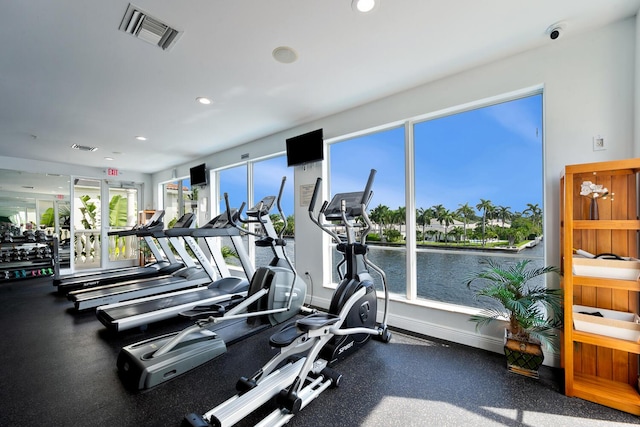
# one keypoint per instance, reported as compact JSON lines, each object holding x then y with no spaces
{"x":69,"y":75}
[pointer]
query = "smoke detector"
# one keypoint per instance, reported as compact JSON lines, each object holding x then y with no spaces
{"x":141,"y":25}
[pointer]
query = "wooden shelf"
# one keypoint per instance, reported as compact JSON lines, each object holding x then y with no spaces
{"x":614,"y":394}
{"x":625,"y":285}
{"x":600,"y":368}
{"x":587,"y":224}
{"x":605,"y":341}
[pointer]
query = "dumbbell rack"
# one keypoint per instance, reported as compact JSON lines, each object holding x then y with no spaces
{"x":25,"y":256}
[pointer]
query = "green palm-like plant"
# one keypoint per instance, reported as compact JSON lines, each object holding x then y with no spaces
{"x":118,"y":210}
{"x":228,"y":253}
{"x":533,"y":310}
{"x":48,"y":217}
{"x":89,"y":210}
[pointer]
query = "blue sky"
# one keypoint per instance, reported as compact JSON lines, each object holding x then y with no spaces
{"x":492,"y":153}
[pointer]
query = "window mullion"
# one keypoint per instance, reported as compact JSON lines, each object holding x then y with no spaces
{"x":411,"y":282}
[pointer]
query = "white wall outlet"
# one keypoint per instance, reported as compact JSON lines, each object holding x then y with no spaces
{"x":598,"y":143}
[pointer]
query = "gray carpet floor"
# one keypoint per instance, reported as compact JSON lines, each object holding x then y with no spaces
{"x":59,"y":369}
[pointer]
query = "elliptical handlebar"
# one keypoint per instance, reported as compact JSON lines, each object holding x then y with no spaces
{"x":318,"y":220}
{"x":366,"y":195}
{"x":314,"y":196}
{"x":279,"y":206}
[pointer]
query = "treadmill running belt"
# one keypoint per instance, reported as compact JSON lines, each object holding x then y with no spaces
{"x":117,"y":313}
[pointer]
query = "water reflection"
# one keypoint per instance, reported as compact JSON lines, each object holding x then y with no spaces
{"x":440,"y":273}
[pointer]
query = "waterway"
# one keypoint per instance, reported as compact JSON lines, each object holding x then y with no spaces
{"x":441,"y":273}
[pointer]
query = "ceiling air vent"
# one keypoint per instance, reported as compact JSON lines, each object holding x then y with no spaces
{"x":83,"y":147}
{"x":139,"y":24}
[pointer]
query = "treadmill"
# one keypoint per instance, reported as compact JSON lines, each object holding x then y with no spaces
{"x":191,"y":275}
{"x":276,"y":294}
{"x":165,"y":264}
{"x":143,"y":311}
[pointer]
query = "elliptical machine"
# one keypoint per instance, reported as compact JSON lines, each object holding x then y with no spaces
{"x":276,"y":294}
{"x":308,"y":347}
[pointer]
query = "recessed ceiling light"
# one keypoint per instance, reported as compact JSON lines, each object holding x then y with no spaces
{"x":284,"y":54}
{"x":364,"y":6}
{"x":202,"y":100}
{"x":141,"y":138}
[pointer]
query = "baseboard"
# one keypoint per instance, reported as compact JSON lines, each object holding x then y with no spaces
{"x":443,"y":332}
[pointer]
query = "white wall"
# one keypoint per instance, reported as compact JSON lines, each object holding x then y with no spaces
{"x":589,"y":90}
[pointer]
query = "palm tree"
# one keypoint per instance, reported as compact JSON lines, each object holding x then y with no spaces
{"x":484,"y":206}
{"x":437,"y":212}
{"x":465,"y":212}
{"x":446,"y":217}
{"x":456,"y":232}
{"x":535,"y":213}
{"x":400,"y":217}
{"x":503,"y":213}
{"x":291,"y":226}
{"x":380,"y":215}
{"x":423,"y":218}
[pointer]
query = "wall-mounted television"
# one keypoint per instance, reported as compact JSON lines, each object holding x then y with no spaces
{"x":305,"y":148}
{"x":198,"y":175}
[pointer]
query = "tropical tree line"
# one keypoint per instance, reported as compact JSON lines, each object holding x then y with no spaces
{"x":481,"y":222}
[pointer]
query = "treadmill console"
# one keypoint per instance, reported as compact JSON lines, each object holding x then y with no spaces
{"x":155,"y":218}
{"x":222,"y":220}
{"x":262,"y":207}
{"x":185,"y":220}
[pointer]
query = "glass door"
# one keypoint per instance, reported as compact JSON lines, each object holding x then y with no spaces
{"x":87,"y":221}
{"x":97,"y":210}
{"x":122,"y":214}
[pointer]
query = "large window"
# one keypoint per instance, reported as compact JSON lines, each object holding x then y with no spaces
{"x":179,"y":198}
{"x":233,"y":182}
{"x":351,"y":162}
{"x":266,"y":179}
{"x":477,"y":180}
{"x":478,"y":193}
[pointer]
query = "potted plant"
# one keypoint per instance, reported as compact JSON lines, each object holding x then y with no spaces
{"x":532,"y":310}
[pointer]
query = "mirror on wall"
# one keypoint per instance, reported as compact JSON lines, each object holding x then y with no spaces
{"x":34,"y":201}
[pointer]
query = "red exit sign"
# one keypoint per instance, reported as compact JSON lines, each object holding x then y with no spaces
{"x":112,"y":172}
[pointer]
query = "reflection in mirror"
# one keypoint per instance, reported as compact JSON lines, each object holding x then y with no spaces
{"x":31,"y":201}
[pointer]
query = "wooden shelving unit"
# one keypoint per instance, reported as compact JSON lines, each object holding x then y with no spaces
{"x":599,"y":368}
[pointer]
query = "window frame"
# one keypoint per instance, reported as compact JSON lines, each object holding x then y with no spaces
{"x":410,"y":247}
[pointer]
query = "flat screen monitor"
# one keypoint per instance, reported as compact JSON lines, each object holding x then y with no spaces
{"x":305,"y":148}
{"x":198,"y":175}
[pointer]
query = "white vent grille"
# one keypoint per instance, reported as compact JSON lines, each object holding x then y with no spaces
{"x":139,"y":24}
{"x":83,"y":147}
